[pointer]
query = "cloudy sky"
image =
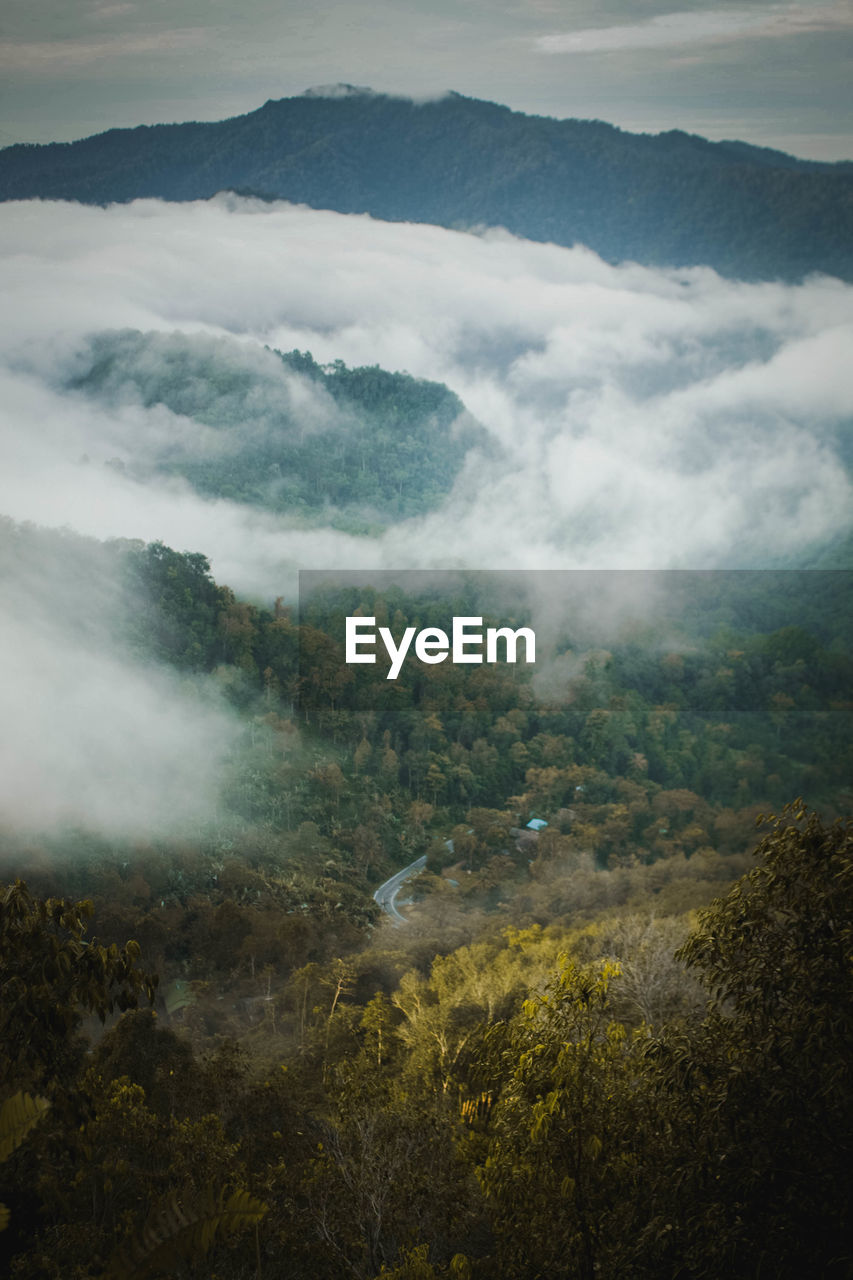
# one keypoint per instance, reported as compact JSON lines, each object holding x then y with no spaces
{"x":776,"y":74}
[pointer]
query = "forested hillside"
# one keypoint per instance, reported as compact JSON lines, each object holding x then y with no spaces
{"x":357,"y":447}
{"x":557,"y":1067}
{"x":667,"y":200}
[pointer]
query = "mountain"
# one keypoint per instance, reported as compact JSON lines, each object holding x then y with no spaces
{"x":671,"y":199}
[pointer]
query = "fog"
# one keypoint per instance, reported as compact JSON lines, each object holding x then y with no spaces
{"x":640,"y":419}
{"x":94,"y":739}
{"x":647,"y":418}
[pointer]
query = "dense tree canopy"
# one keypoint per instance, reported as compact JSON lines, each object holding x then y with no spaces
{"x":556,"y":1067}
{"x":500,"y":1114}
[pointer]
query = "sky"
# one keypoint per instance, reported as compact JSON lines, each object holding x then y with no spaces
{"x":774,"y":74}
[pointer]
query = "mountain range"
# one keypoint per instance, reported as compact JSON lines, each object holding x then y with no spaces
{"x":671,"y":199}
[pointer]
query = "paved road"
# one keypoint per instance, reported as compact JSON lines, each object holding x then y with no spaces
{"x":386,"y":895}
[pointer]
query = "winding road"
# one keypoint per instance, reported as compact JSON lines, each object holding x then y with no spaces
{"x":386,"y":895}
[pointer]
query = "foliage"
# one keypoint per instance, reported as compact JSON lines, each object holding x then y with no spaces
{"x":500,"y":1109}
{"x":175,"y":607}
{"x":18,"y":1115}
{"x":386,"y":1175}
{"x":765,"y":1087}
{"x":526,"y":1080}
{"x":563,"y":1167}
{"x":184,"y":1226}
{"x":49,"y":974}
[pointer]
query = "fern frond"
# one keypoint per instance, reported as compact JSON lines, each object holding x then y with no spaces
{"x":185,"y":1226}
{"x":18,"y":1114}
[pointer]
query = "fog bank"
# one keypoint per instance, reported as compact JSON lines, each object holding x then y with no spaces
{"x":646,"y":418}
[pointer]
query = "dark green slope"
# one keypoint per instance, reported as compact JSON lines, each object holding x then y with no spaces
{"x":671,"y":199}
{"x":354,"y":447}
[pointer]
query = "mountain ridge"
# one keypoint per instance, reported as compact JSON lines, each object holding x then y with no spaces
{"x":665,"y":200}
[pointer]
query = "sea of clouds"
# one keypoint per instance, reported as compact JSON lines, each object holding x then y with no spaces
{"x":647,"y":418}
{"x":642,"y":419}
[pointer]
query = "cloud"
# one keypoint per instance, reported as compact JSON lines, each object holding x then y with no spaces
{"x":645,"y":418}
{"x":640,"y":418}
{"x":91,"y":742}
{"x":50,"y":57}
{"x":689,"y":27}
{"x":93,"y":739}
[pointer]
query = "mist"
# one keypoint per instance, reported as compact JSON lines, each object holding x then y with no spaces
{"x":96,"y":738}
{"x":642,"y":418}
{"x":635,"y":418}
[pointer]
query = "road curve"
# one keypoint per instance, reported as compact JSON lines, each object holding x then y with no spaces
{"x":386,"y":895}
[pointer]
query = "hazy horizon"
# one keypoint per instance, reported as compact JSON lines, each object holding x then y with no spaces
{"x":755,"y":71}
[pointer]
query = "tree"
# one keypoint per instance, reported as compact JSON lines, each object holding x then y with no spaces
{"x":386,"y":1176}
{"x":762,"y":1094}
{"x":444,"y":1016}
{"x":49,"y":975}
{"x":562,"y":1172}
{"x":653,"y":986}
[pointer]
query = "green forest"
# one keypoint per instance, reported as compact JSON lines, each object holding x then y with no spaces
{"x":616,"y":1046}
